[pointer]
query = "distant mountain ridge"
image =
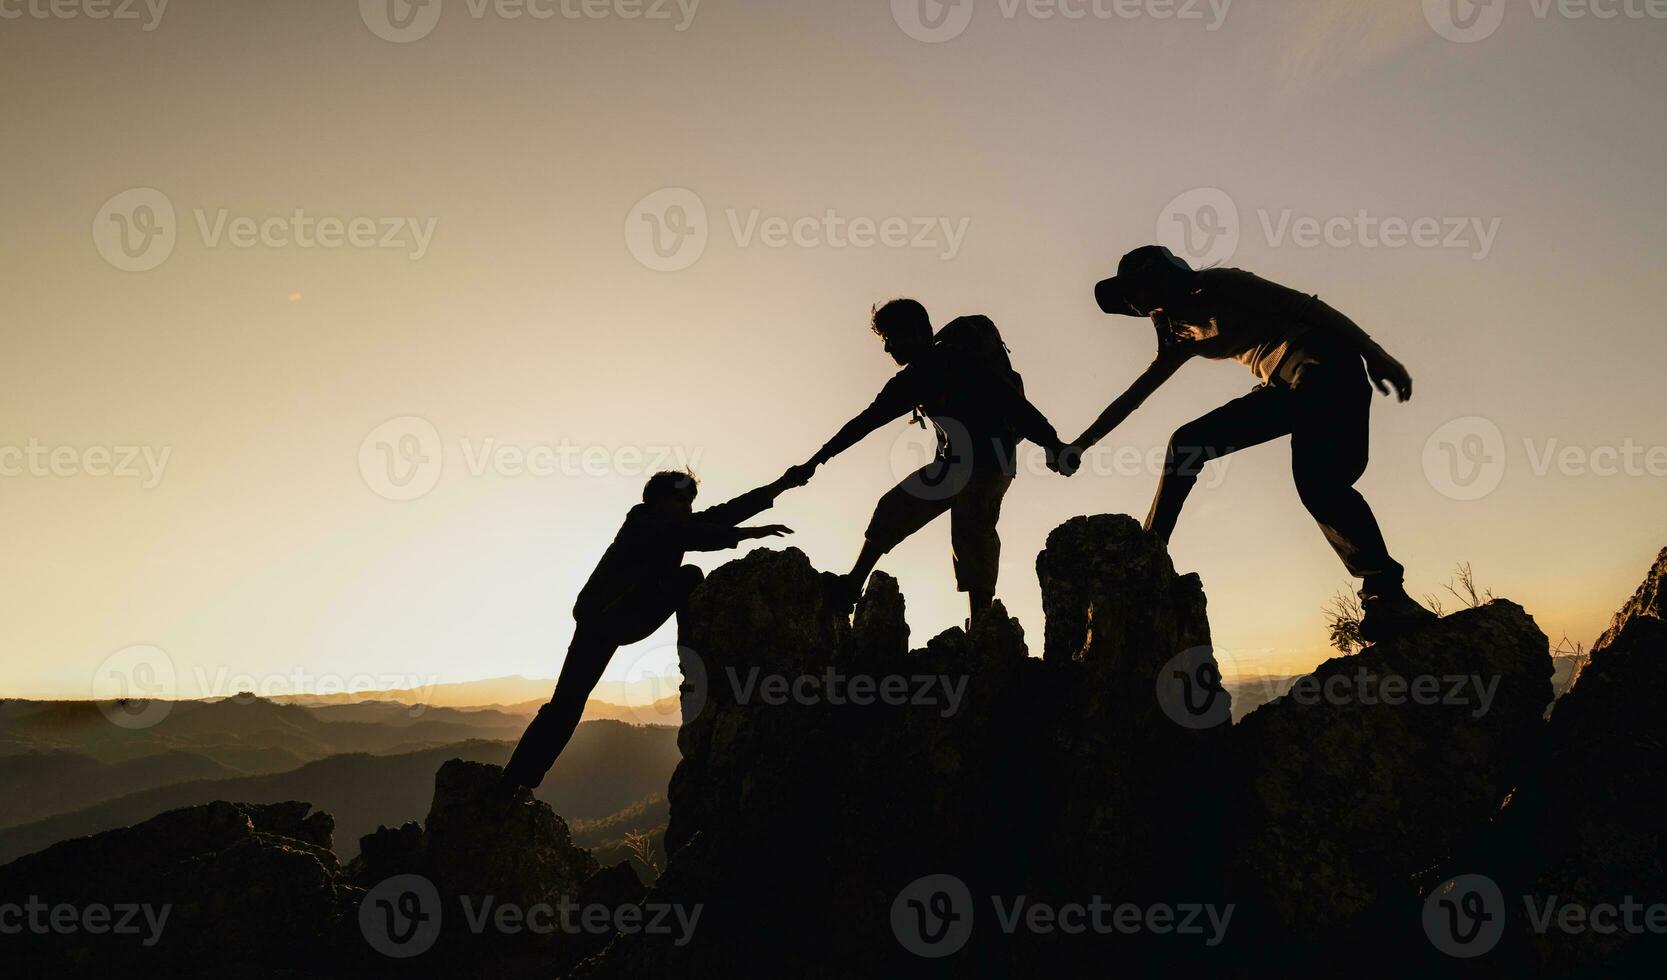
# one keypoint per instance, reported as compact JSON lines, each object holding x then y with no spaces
{"x":608,"y":768}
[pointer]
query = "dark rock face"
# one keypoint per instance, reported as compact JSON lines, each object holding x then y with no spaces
{"x":247,"y":890}
{"x":479,"y":843}
{"x":236,"y":885}
{"x":1104,"y":770}
{"x":847,"y":806}
{"x":1380,"y":763}
{"x":1590,"y":829}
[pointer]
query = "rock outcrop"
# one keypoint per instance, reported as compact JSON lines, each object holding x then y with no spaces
{"x":1379,"y":765}
{"x":849,"y":806}
{"x":240,"y":886}
{"x":1588,"y":831}
{"x":234,"y":890}
{"x":1105,"y":771}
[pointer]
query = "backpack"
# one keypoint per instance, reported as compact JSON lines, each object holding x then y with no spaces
{"x":975,"y":340}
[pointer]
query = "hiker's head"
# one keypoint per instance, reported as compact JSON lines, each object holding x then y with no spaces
{"x":905,"y":327}
{"x":671,"y":491}
{"x":1147,"y":278}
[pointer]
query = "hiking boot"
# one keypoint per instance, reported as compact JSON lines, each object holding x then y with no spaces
{"x":1389,"y":614}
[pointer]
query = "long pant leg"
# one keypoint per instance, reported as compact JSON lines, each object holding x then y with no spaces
{"x":1331,"y":412}
{"x":1247,"y":421}
{"x":545,"y":738}
{"x":972,"y":531}
{"x":628,"y":619}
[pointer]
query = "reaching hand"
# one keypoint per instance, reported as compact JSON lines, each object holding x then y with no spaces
{"x":770,"y":531}
{"x":1390,"y":376}
{"x":798,"y":476}
{"x":1064,"y":459}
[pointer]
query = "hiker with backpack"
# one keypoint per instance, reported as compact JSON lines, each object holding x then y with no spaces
{"x":963,"y":381}
{"x":1317,"y":368}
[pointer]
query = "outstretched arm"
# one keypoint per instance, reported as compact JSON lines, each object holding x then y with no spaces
{"x":1162,"y":369}
{"x":753,"y":502}
{"x":892,"y":401}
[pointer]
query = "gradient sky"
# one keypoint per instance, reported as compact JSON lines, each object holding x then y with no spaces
{"x":264,"y":553}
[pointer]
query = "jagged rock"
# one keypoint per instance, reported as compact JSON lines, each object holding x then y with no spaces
{"x":482,"y":841}
{"x":1355,"y":781}
{"x":796,"y":824}
{"x":237,"y":885}
{"x":1590,"y":827}
{"x":1106,"y":768}
{"x":882,"y":632}
{"x":1112,"y":597}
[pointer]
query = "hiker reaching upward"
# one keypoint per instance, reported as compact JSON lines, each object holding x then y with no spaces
{"x":962,"y":380}
{"x":640,"y":583}
{"x":1314,"y":364}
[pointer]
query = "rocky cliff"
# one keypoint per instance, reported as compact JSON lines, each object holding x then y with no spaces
{"x":849,"y":804}
{"x":830,"y":839}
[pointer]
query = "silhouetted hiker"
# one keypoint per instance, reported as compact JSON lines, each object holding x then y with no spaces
{"x":640,"y":583}
{"x":962,"y":380}
{"x":1309,"y":359}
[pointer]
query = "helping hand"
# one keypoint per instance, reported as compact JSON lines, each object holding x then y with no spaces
{"x":798,"y":476}
{"x":770,"y":531}
{"x":1064,"y":459}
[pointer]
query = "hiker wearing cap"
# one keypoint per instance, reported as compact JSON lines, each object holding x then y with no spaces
{"x":962,"y":380}
{"x":1314,"y":364}
{"x":640,"y":583}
